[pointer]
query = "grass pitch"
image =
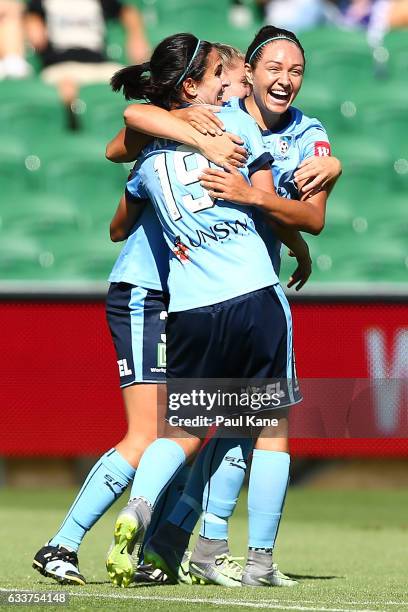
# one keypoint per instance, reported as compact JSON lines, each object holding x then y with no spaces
{"x":348,"y":549}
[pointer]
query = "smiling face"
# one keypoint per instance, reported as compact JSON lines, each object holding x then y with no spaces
{"x":277,"y":76}
{"x":211,"y":88}
{"x":239,"y":86}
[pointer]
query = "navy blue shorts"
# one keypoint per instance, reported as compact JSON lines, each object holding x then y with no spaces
{"x":137,"y":322}
{"x":247,"y":337}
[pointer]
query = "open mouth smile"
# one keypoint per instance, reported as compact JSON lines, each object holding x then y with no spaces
{"x":279,"y":96}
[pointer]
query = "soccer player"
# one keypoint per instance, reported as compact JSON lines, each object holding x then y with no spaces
{"x":275,"y":65}
{"x":234,"y":84}
{"x":169,"y":176}
{"x":305,"y":138}
{"x":136,"y":310}
{"x":234,"y":70}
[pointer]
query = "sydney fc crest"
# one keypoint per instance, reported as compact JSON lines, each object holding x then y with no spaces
{"x":283,"y":146}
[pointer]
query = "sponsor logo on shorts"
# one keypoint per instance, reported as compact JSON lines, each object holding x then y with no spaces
{"x":161,"y":355}
{"x":124,"y":369}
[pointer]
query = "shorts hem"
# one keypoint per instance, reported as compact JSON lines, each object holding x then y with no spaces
{"x":143,"y":382}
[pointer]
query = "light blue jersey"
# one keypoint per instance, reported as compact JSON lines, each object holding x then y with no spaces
{"x":144,"y":260}
{"x":300,"y":138}
{"x":215,"y":251}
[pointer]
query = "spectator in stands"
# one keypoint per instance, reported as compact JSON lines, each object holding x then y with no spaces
{"x":70,"y":40}
{"x":294,"y":15}
{"x":12,"y":61}
{"x":377,"y":16}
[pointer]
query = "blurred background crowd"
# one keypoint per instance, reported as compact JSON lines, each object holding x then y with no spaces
{"x":57,"y":112}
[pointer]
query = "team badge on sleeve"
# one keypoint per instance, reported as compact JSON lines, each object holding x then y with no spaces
{"x":322,"y":149}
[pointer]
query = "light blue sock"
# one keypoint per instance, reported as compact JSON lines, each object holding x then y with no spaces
{"x":159,"y":464}
{"x":268,"y":484}
{"x":168,"y":501}
{"x":104,"y":484}
{"x":187,"y":511}
{"x":223,"y":473}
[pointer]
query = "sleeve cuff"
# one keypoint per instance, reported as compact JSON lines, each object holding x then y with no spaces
{"x":265,"y":158}
{"x":132,"y":198}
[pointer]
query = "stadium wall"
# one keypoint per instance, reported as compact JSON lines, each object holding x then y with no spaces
{"x":60,"y":397}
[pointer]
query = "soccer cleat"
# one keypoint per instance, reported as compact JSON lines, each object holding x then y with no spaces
{"x":59,"y":563}
{"x":224,"y":570}
{"x":129,"y":531}
{"x":147,"y":574}
{"x":260,"y":571}
{"x":166,"y":558}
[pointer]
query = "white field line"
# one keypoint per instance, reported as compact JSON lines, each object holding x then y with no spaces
{"x":264,"y":604}
{"x":269,"y":605}
{"x":350,"y":603}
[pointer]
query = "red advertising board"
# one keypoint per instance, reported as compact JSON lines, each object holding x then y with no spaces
{"x":59,"y":393}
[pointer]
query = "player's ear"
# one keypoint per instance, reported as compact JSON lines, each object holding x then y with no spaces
{"x":190,"y":87}
{"x":248,"y":72}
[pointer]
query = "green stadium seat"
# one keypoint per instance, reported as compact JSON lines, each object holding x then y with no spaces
{"x":116,"y":43}
{"x":20,"y":256}
{"x":94,"y":184}
{"x":339,"y":214}
{"x":40,"y":214}
{"x":32,"y":90}
{"x":340,"y":69}
{"x":191,"y":12}
{"x":91,"y":259}
{"x":375,"y":260}
{"x":359,"y":151}
{"x":395,"y":43}
{"x":13,"y":171}
{"x":31,"y":120}
{"x":361,"y":184}
{"x":329,"y":38}
{"x":316,"y":100}
{"x":101,"y":110}
{"x":390,"y":125}
{"x":207,"y":19}
{"x":28,"y":110}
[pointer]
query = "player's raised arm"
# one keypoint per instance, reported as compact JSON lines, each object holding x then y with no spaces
{"x":221,"y":148}
{"x":308,"y":215}
{"x":126,"y":146}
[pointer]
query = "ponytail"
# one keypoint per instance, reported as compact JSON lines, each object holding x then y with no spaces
{"x":131,"y":81}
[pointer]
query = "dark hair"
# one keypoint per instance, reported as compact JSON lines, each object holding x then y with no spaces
{"x":263,"y":35}
{"x":160,"y":80}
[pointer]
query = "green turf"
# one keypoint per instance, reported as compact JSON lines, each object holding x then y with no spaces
{"x":349,"y":550}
